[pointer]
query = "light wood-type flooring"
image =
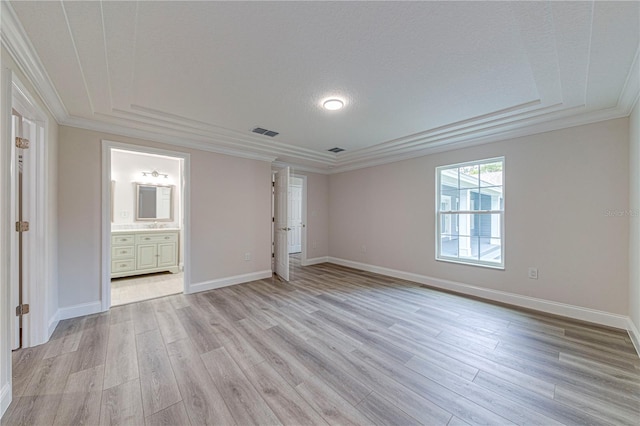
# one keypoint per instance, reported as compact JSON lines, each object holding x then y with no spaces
{"x":333,"y":346}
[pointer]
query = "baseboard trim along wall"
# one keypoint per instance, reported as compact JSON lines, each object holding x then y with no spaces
{"x":315,"y":261}
{"x":634,"y":334}
{"x":53,"y":323}
{"x":5,"y":398}
{"x":576,"y":312}
{"x":78,"y":310}
{"x":227,"y":281}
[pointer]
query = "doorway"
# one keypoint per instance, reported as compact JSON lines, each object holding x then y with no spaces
{"x":289,"y":204}
{"x":146,"y":224}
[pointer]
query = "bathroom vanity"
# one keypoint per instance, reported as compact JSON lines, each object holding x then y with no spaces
{"x":144,"y":251}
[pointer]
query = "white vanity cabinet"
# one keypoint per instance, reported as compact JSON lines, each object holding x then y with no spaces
{"x":143,"y":252}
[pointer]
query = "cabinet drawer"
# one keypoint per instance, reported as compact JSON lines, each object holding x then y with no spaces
{"x":122,"y":266}
{"x":122,"y":240}
{"x":156,"y":238}
{"x":124,"y":252}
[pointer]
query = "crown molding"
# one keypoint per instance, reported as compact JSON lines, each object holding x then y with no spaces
{"x":631,"y":89}
{"x":300,"y":168}
{"x":466,"y":129}
{"x":15,"y":40}
{"x":149,"y":128}
{"x":168,"y":139}
{"x":184,"y":124}
{"x":499,"y":134}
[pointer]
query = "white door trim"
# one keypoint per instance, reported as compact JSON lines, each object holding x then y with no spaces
{"x":107,"y":146}
{"x":36,"y":286}
{"x":38,"y":289}
{"x":5,"y":206}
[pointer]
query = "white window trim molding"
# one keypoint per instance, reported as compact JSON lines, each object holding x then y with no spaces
{"x":438,"y":213}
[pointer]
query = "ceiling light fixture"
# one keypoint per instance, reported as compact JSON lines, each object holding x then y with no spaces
{"x":332,"y":104}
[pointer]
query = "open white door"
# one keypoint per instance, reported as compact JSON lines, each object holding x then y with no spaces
{"x":295,"y":215}
{"x":25,"y":259}
{"x":281,"y":223}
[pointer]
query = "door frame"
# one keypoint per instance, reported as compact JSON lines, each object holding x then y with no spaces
{"x":38,"y":325}
{"x":107,"y":146}
{"x":303,"y":255}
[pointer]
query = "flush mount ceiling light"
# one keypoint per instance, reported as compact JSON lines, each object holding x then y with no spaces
{"x":333,"y":104}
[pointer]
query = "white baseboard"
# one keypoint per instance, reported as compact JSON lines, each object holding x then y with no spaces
{"x":227,"y":281}
{"x":5,"y":398}
{"x":548,"y":306}
{"x":53,"y":323}
{"x":315,"y":261}
{"x":634,"y":335}
{"x":79,"y":310}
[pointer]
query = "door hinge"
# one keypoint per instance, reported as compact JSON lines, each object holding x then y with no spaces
{"x":273,"y":184}
{"x":273,"y":219}
{"x":22,"y":226}
{"x":273,"y":255}
{"x":22,"y":143}
{"x":22,"y":309}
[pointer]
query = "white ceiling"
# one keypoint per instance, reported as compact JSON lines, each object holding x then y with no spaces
{"x":416,"y":77}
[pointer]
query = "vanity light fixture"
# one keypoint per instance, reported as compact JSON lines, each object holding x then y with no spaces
{"x":155,"y":174}
{"x":333,"y":104}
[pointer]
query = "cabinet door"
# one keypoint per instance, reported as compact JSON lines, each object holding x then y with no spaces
{"x":167,"y":254}
{"x":146,"y":256}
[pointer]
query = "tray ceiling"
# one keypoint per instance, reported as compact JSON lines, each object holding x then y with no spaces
{"x":415,"y":77}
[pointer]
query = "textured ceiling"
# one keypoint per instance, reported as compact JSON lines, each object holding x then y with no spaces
{"x":415,"y":76}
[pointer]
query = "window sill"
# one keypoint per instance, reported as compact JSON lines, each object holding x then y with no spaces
{"x":477,"y":264}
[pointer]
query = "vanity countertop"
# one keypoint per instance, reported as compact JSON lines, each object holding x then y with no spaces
{"x":129,"y":231}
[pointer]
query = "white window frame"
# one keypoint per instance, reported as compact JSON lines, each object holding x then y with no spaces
{"x":439,"y":213}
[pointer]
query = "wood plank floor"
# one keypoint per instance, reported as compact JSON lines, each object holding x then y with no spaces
{"x":333,"y":346}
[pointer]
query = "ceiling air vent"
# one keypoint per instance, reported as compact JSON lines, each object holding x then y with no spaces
{"x":336,"y":150}
{"x":265,"y":132}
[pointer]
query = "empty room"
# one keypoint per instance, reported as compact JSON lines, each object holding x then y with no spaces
{"x":366,"y":213}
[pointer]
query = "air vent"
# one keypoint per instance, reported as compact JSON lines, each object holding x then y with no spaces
{"x":336,"y":150}
{"x":265,"y":132}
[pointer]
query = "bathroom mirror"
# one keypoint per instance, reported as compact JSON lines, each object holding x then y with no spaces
{"x":154,"y":202}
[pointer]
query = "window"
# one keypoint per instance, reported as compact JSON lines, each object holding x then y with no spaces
{"x":470,"y":213}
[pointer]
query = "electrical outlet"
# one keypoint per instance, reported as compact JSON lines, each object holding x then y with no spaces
{"x":247,"y":256}
{"x":363,"y":248}
{"x":314,"y":245}
{"x":533,"y":273}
